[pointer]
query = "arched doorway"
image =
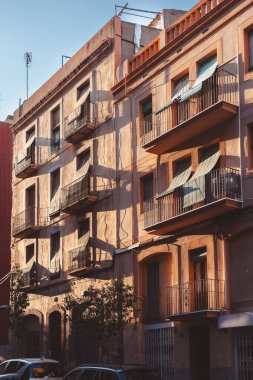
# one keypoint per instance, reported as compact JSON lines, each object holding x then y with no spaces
{"x":85,"y":341}
{"x":55,"y":334}
{"x":32,"y":336}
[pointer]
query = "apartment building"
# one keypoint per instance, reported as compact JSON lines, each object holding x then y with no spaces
{"x":5,"y":225}
{"x":183,"y":128}
{"x":63,"y":216}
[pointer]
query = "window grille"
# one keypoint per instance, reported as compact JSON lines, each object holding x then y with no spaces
{"x":159,"y":350}
{"x":244,"y":351}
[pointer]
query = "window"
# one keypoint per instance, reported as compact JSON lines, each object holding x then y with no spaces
{"x":147,"y":107}
{"x":55,"y":255}
{"x":181,"y":86}
{"x":55,"y":183}
{"x":250,"y":47}
{"x":89,"y":374}
{"x":205,"y":70}
{"x":29,"y":252}
{"x":250,"y":145}
{"x":30,"y":134}
{"x":146,"y":112}
{"x":73,"y":374}
{"x":108,"y":375}
{"x":82,"y":159}
{"x":147,"y":191}
{"x":197,"y":188}
{"x":82,"y":89}
{"x":83,"y":228}
{"x":55,"y":130}
{"x":14,"y":366}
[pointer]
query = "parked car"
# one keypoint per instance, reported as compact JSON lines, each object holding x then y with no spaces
{"x":29,"y":369}
{"x":104,"y":372}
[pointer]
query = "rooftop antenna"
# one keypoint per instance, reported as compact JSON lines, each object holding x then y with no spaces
{"x":64,"y":57}
{"x":28,"y":62}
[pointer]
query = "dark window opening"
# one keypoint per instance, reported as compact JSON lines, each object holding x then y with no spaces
{"x":146,"y":110}
{"x":55,"y":130}
{"x":55,"y":182}
{"x":82,"y":89}
{"x":83,"y":228}
{"x":30,"y":134}
{"x":250,"y":38}
{"x":147,"y":187}
{"x":82,"y":159}
{"x":29,"y":252}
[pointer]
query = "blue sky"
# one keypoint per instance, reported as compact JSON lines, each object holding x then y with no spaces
{"x":50,"y":29}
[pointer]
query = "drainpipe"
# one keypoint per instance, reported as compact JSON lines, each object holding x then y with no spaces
{"x":239,"y":121}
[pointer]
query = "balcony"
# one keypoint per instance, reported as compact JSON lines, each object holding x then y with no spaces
{"x":201,"y":298}
{"x":29,"y":277}
{"x":78,"y":194}
{"x":27,"y":222}
{"x":191,"y":19}
{"x":26,"y":165}
{"x":80,"y":260}
{"x":178,"y":123}
{"x":80,"y":123}
{"x":206,"y":197}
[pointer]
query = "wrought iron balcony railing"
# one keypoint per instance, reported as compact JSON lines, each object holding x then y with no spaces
{"x":219,"y":184}
{"x":24,"y":163}
{"x":79,"y":192}
{"x":80,"y":258}
{"x":80,"y":122}
{"x":221,"y":86}
{"x":206,"y":294}
{"x":29,"y":276}
{"x":27,"y":221}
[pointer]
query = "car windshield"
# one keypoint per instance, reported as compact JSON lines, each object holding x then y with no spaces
{"x":40,"y":370}
{"x":140,"y":374}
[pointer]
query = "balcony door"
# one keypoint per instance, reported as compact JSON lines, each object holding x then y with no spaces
{"x":153,"y":279}
{"x":198,"y":279}
{"x":30,"y":205}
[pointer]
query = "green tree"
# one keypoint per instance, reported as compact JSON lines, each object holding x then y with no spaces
{"x":19,"y":301}
{"x":103,"y":311}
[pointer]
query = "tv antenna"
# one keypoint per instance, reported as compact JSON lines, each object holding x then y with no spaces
{"x":28,"y":62}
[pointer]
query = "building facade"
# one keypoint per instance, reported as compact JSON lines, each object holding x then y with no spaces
{"x":5,"y":224}
{"x":63,"y":216}
{"x":187,"y":235}
{"x":140,"y":165}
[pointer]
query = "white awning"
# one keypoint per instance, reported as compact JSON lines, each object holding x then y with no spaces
{"x":194,"y":189}
{"x":181,"y":176}
{"x":235,"y":320}
{"x":181,"y":87}
{"x":206,"y":70}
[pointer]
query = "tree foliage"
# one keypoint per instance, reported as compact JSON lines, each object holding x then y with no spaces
{"x":19,"y":301}
{"x":105,"y":308}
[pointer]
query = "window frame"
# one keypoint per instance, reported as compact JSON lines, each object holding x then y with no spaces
{"x":142,"y":186}
{"x":82,"y":154}
{"x":54,"y":130}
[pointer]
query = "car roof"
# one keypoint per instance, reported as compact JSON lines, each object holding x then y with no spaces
{"x":114,"y":367}
{"x":33,"y":360}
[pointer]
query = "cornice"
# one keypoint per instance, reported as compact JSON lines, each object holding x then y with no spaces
{"x":188,"y":34}
{"x":85,"y":65}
